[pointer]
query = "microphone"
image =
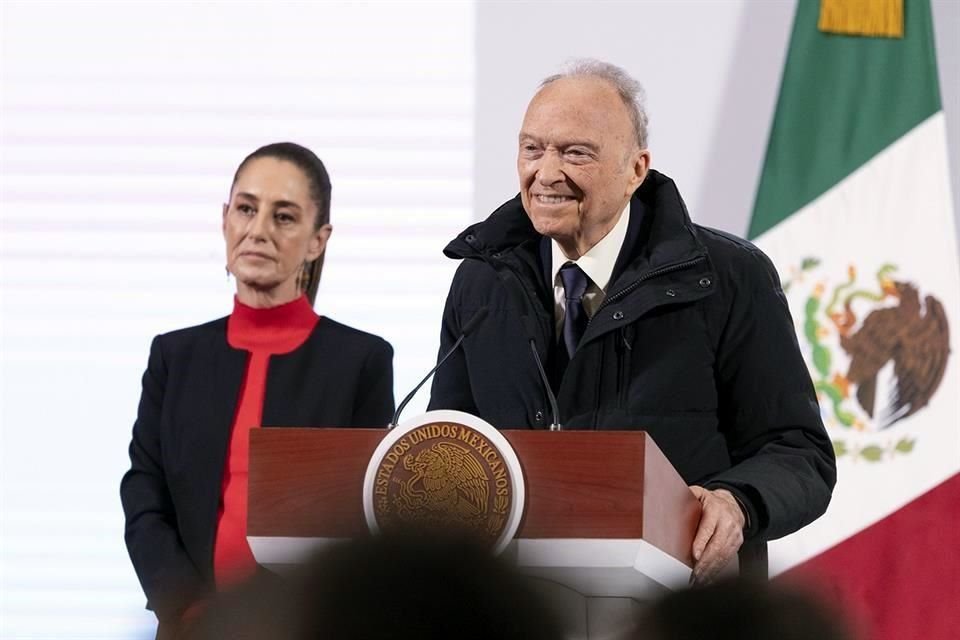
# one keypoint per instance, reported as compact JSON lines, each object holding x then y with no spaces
{"x":477,"y":318}
{"x":555,"y":425}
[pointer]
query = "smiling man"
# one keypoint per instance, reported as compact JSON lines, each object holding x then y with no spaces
{"x":645,"y":320}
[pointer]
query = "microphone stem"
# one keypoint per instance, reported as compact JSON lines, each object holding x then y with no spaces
{"x":396,"y":415}
{"x":555,"y":425}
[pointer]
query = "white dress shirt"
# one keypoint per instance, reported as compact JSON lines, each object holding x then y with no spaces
{"x":597,"y":263}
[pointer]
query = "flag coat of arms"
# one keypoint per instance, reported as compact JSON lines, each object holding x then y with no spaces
{"x":854,"y":207}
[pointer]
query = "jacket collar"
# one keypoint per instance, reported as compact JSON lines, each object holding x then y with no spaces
{"x":505,"y":229}
{"x":660,"y":236}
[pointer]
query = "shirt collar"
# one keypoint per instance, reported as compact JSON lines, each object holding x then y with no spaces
{"x":599,"y":261}
{"x":277,"y":329}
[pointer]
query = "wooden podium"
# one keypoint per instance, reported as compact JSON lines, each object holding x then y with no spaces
{"x":606,"y":516}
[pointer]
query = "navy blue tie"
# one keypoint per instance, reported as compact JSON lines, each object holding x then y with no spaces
{"x":575,"y":317}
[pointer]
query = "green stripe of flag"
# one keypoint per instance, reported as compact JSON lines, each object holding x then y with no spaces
{"x":843,"y":99}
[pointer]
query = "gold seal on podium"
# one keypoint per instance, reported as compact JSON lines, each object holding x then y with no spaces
{"x":445,"y":470}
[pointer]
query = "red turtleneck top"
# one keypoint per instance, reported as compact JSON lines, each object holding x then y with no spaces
{"x":262,"y":332}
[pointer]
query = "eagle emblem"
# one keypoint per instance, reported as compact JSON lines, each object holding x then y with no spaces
{"x":445,"y":475}
{"x":447,"y":482}
{"x":877,"y":350}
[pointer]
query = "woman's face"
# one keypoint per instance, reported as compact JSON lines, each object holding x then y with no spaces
{"x":268,"y":226}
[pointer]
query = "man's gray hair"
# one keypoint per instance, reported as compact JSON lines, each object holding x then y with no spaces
{"x":631,"y":91}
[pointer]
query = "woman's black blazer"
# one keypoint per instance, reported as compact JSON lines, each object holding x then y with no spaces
{"x":340,"y":377}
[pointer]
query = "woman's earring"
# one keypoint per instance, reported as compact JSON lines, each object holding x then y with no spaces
{"x":227,"y":269}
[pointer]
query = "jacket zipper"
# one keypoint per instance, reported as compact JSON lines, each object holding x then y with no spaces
{"x":624,"y":345}
{"x":624,"y":349}
{"x":646,"y":276}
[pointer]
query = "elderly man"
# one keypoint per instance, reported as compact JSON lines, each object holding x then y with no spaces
{"x":645,"y":320}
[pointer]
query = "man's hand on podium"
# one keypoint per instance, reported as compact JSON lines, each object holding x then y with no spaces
{"x":719,"y":534}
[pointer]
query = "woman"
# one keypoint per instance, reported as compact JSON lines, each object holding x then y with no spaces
{"x":272,"y":362}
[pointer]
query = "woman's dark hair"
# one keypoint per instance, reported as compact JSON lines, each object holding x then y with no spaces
{"x":320,"y":188}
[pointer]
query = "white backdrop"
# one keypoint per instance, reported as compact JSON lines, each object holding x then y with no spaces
{"x":121,"y":125}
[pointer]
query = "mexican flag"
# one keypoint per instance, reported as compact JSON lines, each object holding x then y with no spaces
{"x":854,"y":207}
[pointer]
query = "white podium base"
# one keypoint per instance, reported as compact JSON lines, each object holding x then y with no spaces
{"x":597,"y":587}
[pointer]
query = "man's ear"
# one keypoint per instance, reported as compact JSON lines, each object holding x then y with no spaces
{"x":639,"y":166}
{"x":318,"y":243}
